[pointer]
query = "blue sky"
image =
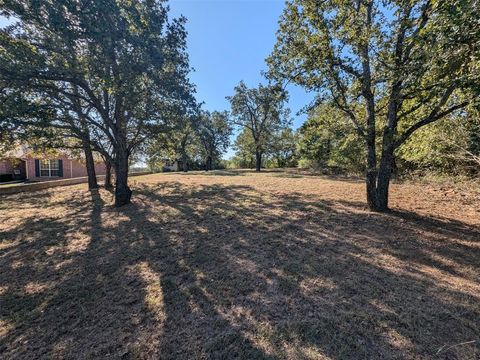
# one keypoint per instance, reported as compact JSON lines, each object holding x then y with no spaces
{"x":228,"y":41}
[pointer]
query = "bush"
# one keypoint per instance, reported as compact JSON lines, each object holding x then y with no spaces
{"x":308,"y":164}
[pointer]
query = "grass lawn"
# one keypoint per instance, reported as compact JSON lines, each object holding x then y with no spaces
{"x":277,"y":265}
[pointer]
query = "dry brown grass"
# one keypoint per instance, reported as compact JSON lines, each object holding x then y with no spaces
{"x":240,"y":265}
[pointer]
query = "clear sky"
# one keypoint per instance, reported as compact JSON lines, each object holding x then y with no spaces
{"x":228,"y":41}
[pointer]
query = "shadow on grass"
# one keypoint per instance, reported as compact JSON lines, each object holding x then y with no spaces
{"x":230,"y":272}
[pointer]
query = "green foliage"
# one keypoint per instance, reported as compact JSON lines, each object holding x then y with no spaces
{"x":282,"y":149}
{"x":214,"y":130}
{"x":450,"y":147}
{"x":14,"y":112}
{"x":244,"y":146}
{"x":279,"y":151}
{"x":261,"y":112}
{"x":326,"y":139}
{"x":199,"y":139}
{"x":110,"y":72}
{"x":394,"y":65}
{"x":179,"y":142}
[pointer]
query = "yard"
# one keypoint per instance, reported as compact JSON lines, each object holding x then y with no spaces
{"x":232,"y":264}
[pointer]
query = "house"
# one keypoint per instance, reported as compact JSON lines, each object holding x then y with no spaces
{"x":171,"y":165}
{"x":24,"y":164}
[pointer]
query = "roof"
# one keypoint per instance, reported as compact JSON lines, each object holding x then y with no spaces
{"x":19,"y":152}
{"x":23,"y":151}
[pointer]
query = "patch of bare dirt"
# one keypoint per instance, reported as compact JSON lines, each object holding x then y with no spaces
{"x":234,"y":264}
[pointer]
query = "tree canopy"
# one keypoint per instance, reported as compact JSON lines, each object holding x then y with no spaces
{"x":214,"y":132}
{"x":260,"y":110}
{"x":109,"y":68}
{"x":403,"y":64}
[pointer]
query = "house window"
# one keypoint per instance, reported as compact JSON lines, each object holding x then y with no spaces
{"x":49,"y":168}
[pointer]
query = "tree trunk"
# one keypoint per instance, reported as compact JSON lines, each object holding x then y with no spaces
{"x":122,"y":191}
{"x":371,"y":177}
{"x":368,"y":95}
{"x":386,"y":161}
{"x":209,"y":162}
{"x":383,"y":184}
{"x":90,"y":164}
{"x":378,"y":182}
{"x":258,"y":160}
{"x":388,"y":147}
{"x":184,"y":163}
{"x":371,"y":181}
{"x":280,"y":162}
{"x":108,"y":175}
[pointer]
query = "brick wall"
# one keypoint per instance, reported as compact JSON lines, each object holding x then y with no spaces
{"x":71,"y":169}
{"x":6,"y":167}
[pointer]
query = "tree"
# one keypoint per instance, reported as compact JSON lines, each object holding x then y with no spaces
{"x":122,"y":64}
{"x":244,"y":147}
{"x":214,"y":131}
{"x":406,"y":60}
{"x":282,"y":148}
{"x":326,"y":140}
{"x":261,"y":111}
{"x":184,"y":137}
{"x":179,"y":142}
{"x":52,"y":120}
{"x":450,"y":146}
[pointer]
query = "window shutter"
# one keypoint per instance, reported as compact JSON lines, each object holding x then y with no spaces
{"x":37,"y":167}
{"x":60,"y":168}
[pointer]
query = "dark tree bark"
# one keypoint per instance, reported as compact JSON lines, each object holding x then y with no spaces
{"x":258,"y":160}
{"x":108,"y":175}
{"x":383,"y":183}
{"x":90,"y":164}
{"x":209,"y":163}
{"x":185,"y":162}
{"x":122,"y":191}
{"x":388,"y":147}
{"x":371,"y":176}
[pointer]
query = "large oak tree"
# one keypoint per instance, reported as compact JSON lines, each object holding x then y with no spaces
{"x":400,"y":64}
{"x":123,"y":63}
